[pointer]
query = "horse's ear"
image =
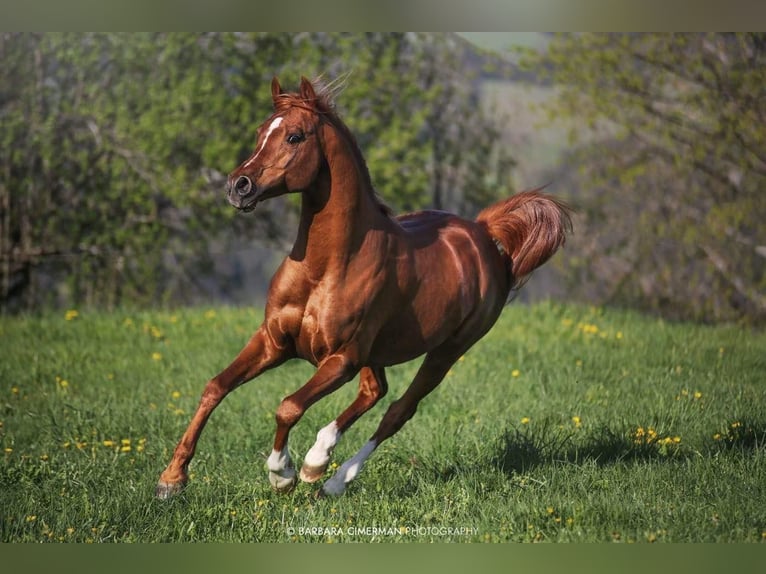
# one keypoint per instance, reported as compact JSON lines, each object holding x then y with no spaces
{"x":307,"y":90}
{"x":276,"y":89}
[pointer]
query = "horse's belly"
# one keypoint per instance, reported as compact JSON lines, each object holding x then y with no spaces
{"x":408,"y":334}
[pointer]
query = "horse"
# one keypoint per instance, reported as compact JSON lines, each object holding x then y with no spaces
{"x":362,"y":289}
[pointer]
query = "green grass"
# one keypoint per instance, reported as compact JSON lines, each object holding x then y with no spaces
{"x":494,"y":451}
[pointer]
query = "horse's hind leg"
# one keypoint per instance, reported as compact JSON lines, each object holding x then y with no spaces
{"x":258,"y":355}
{"x":372,"y":387}
{"x":428,"y":377}
{"x":333,"y":373}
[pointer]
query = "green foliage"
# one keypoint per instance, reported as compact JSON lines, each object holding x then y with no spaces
{"x":671,"y":129}
{"x":564,"y":423}
{"x":115,"y":149}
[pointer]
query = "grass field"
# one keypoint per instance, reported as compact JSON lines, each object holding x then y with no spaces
{"x":565,"y":423}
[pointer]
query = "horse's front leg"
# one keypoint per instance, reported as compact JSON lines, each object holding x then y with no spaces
{"x":372,"y":388}
{"x":259,"y":354}
{"x":333,"y":373}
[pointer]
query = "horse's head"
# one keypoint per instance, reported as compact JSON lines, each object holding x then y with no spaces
{"x":287,"y":155}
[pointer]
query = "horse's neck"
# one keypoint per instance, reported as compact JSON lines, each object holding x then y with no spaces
{"x":338,"y":212}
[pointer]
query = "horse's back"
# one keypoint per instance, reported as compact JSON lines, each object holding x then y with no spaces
{"x":459,"y":282}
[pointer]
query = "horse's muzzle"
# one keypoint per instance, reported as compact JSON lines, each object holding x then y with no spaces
{"x":243,"y":186}
{"x":239,"y":191}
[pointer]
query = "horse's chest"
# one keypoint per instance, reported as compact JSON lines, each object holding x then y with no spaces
{"x":326,"y":328}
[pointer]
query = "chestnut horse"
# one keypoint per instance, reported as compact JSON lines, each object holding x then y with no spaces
{"x":361,"y":289}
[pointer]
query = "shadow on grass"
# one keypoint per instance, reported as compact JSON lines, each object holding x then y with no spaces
{"x":519,"y":451}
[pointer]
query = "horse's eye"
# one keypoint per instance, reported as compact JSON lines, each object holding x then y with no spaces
{"x":295,"y":138}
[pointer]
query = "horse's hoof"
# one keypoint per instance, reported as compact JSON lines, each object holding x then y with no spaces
{"x":312,"y":473}
{"x":165,"y":490}
{"x":281,"y":483}
{"x":331,"y":488}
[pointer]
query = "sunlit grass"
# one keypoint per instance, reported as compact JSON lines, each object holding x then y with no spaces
{"x":565,"y":423}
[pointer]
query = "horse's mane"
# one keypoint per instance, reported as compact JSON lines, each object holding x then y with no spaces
{"x":324,"y":105}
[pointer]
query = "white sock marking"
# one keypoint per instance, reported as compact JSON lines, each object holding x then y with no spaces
{"x":281,"y":470}
{"x":319,"y":454}
{"x":274,"y":125}
{"x":279,"y":461}
{"x":349,"y":470}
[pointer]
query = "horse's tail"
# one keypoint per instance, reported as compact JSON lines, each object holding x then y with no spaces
{"x":530,"y":227}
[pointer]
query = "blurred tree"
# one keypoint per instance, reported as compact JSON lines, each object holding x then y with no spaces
{"x":414,"y":105}
{"x":672,"y":163}
{"x":114,"y":149}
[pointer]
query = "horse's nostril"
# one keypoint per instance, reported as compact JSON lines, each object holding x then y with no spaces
{"x":243,"y":185}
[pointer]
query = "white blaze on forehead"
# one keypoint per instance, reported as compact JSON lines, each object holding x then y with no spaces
{"x":274,"y":125}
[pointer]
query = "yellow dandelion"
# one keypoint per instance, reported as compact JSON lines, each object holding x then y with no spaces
{"x":44,"y":457}
{"x":549,"y":509}
{"x":717,"y":436}
{"x":125,"y":448}
{"x":155,"y":332}
{"x":71,"y":315}
{"x":578,"y":363}
{"x":577,"y":421}
{"x":15,"y":390}
{"x":63,"y":383}
{"x":697,"y":395}
{"x":7,"y":450}
{"x":157,"y":356}
{"x":108,"y":443}
{"x":70,"y":531}
{"x":210,"y":314}
{"x":618,"y":335}
{"x":175,"y":394}
{"x":515,"y":373}
{"x":525,"y":420}
{"x":31,"y":518}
